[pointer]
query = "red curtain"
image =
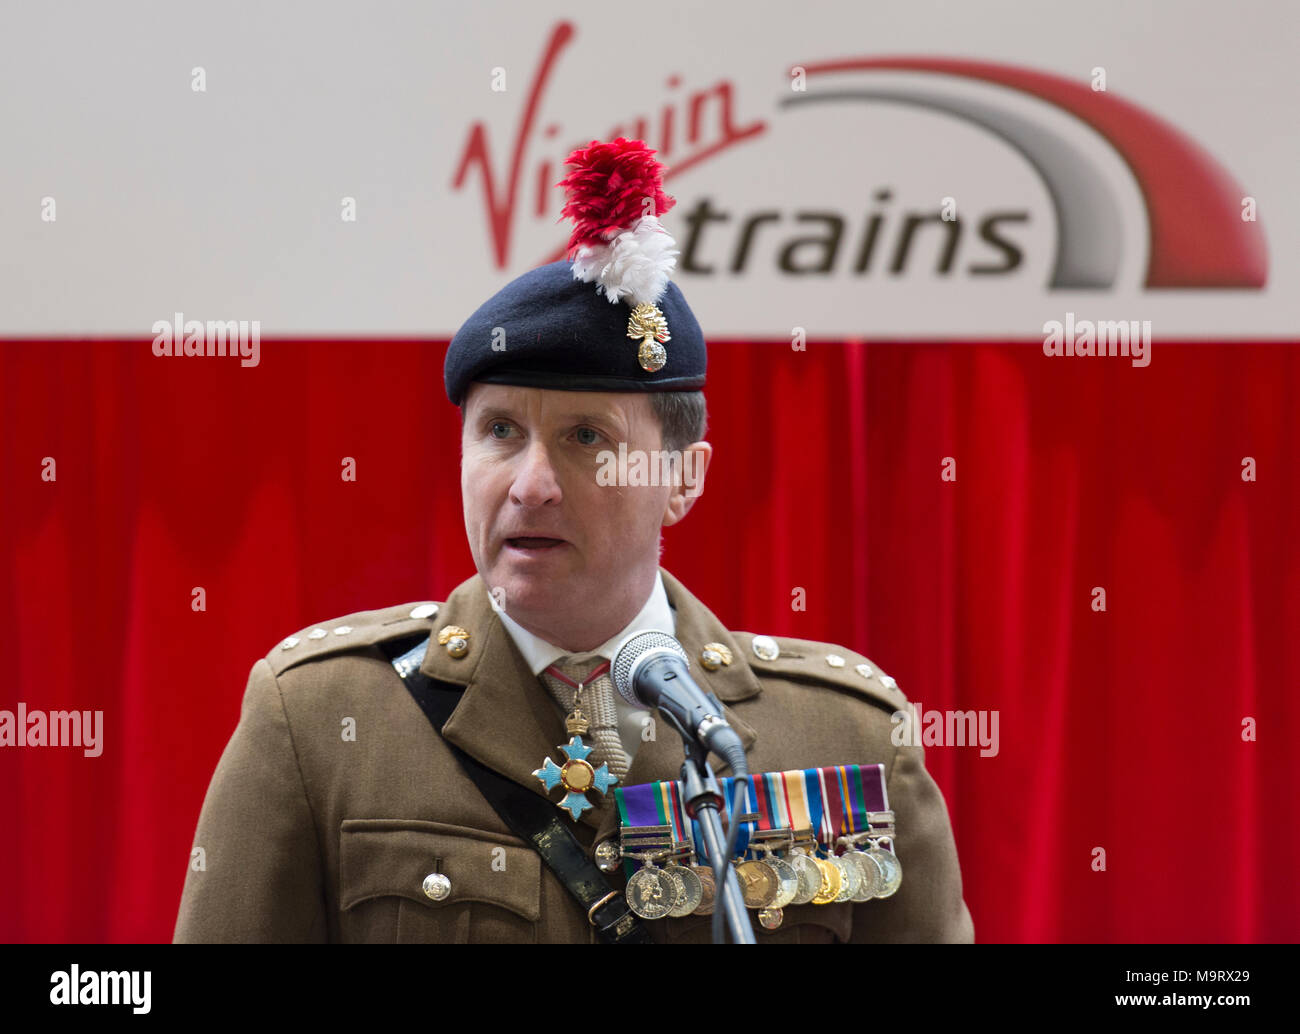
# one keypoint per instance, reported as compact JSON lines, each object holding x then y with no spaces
{"x":1119,"y":729}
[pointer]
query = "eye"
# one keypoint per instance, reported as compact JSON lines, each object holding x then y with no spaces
{"x":499,"y":429}
{"x":587,"y":436}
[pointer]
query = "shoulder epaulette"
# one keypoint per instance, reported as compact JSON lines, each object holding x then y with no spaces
{"x":803,"y":660}
{"x":352,"y":632}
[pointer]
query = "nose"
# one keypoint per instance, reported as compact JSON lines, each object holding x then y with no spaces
{"x":535,"y":483}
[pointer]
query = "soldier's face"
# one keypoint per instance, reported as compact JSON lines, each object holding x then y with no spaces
{"x":545,"y":524}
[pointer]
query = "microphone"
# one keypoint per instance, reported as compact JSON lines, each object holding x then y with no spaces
{"x":651,"y":670}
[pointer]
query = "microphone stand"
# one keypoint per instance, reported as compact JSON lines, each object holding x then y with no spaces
{"x":702,"y":798}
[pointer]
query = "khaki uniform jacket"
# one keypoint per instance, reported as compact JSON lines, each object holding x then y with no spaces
{"x":335,"y":796}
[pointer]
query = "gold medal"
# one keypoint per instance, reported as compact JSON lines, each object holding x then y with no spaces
{"x":758,"y":883}
{"x":832,"y":879}
{"x":708,"y":890}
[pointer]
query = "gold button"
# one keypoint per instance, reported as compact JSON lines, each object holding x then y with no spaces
{"x":437,"y":886}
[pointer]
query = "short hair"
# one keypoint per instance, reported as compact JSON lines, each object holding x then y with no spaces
{"x":683,"y":417}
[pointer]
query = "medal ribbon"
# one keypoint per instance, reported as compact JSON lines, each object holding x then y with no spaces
{"x":855,"y":811}
{"x":732,"y":792}
{"x":595,"y":674}
{"x":796,"y":799}
{"x":831,"y":814}
{"x":758,"y":790}
{"x":667,"y":792}
{"x":640,"y":805}
{"x":816,"y":802}
{"x":864,"y":791}
{"x":835,"y":805}
{"x":831,"y":801}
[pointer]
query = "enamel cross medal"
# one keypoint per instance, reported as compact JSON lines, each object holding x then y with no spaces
{"x":576,"y":775}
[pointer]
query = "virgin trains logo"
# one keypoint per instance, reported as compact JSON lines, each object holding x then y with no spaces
{"x":1198,"y":235}
{"x":1194,"y":209}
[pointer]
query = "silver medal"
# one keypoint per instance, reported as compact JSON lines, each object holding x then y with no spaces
{"x":810,"y":879}
{"x":852,"y":880}
{"x":692,"y":890}
{"x":872,"y":879}
{"x":889,"y":868}
{"x":787,"y":881}
{"x":650,"y":893}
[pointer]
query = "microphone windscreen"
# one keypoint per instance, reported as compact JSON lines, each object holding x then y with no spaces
{"x":632,"y":649}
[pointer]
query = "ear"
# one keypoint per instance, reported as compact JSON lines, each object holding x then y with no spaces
{"x":690,"y":486}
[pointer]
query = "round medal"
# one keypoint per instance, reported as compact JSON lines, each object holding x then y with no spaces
{"x":678,"y":888}
{"x":692,"y":890}
{"x":810,"y":879}
{"x":872,"y":878}
{"x":651,"y":894}
{"x":608,"y":855}
{"x":852,"y":878}
{"x":787,"y":881}
{"x":770,"y":918}
{"x":757,"y":883}
{"x":893,"y":872}
{"x":832,"y":879}
{"x":708,"y":889}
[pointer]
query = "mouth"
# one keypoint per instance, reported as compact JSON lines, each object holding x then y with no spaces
{"x":534,"y":545}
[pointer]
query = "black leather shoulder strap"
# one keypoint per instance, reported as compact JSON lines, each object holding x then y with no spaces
{"x":528,"y":816}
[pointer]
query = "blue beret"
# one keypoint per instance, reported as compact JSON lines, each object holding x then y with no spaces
{"x":553,"y":331}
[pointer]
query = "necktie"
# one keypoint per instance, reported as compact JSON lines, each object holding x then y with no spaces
{"x":597,"y":702}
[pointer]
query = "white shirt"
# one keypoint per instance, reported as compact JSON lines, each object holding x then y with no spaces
{"x":539,"y":655}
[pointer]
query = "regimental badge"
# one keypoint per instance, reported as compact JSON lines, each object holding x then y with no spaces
{"x":648,"y":324}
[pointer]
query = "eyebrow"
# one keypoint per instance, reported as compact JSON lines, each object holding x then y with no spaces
{"x":584,"y":417}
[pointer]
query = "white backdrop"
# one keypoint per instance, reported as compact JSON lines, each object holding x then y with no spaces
{"x":227,"y":203}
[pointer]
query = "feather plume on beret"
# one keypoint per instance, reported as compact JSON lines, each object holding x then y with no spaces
{"x":567,"y":324}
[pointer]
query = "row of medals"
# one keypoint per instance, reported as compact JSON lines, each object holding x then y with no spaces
{"x":788,"y":871}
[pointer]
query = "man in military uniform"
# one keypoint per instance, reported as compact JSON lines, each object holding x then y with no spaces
{"x":383,"y":836}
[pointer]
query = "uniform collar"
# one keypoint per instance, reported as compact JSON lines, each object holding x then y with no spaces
{"x":539,"y":655}
{"x":508,"y":721}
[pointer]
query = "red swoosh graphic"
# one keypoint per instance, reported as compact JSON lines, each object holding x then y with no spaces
{"x":1198,"y":238}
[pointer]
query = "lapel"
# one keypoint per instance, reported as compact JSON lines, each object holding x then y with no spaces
{"x":505,"y":718}
{"x":508,"y":721}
